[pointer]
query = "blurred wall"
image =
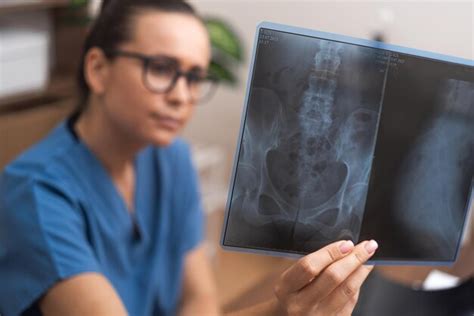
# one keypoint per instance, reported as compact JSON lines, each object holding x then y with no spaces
{"x":442,"y":27}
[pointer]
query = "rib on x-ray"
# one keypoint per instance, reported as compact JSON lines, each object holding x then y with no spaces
{"x":318,"y":113}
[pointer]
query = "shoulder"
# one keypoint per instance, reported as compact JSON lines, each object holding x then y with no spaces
{"x":44,"y":162}
{"x":177,"y":151}
{"x":176,"y":168}
{"x":175,"y":158}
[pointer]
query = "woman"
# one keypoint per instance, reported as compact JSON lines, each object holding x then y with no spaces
{"x":103,"y":216}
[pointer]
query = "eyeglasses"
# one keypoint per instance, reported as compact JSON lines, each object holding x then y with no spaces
{"x":160,"y":74}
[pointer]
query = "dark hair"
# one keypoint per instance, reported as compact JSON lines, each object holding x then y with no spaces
{"x":113,"y":27}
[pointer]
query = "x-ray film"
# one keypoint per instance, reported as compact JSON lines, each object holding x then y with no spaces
{"x":343,"y":138}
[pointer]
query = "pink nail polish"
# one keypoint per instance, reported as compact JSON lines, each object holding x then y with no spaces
{"x":346,"y":246}
{"x":371,"y":246}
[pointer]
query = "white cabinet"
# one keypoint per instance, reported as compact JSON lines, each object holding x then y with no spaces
{"x":25,"y":49}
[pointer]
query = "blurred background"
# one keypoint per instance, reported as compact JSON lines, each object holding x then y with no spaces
{"x":40,"y":44}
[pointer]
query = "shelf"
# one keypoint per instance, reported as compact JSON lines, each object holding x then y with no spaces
{"x":60,"y":87}
{"x":9,"y":6}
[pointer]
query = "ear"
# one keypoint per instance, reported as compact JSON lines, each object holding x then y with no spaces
{"x":96,"y":70}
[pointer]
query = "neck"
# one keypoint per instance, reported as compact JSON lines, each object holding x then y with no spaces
{"x":110,"y":144}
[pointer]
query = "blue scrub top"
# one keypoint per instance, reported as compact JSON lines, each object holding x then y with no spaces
{"x":61,"y":215}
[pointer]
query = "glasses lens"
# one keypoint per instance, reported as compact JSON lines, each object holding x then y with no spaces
{"x":160,"y":76}
{"x":201,"y":89}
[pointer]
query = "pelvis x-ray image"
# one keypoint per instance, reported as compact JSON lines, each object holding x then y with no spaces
{"x":339,"y":139}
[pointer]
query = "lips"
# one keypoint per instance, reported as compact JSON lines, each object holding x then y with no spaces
{"x":167,"y":122}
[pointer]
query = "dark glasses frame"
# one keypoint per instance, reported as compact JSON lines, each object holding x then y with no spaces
{"x":147,"y":60}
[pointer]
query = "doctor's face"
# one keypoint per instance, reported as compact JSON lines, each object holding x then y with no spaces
{"x":156,"y":78}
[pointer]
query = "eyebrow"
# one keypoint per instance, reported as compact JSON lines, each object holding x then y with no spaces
{"x":167,"y":58}
{"x":158,"y":57}
{"x":197,"y":69}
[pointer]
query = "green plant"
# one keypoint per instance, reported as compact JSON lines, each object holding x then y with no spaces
{"x":75,"y":14}
{"x":227,"y":50}
{"x":78,"y":3}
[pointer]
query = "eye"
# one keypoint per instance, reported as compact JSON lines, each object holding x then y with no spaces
{"x":195,"y":78}
{"x":161,"y":69}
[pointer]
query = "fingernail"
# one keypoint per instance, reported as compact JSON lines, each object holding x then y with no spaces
{"x":346,"y":246}
{"x":371,"y":246}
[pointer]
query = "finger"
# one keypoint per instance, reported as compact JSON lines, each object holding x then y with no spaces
{"x":337,"y":273}
{"x":307,"y":268}
{"x":346,"y":292}
{"x":349,"y":307}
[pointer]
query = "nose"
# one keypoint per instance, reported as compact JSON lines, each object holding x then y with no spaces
{"x":179,"y":94}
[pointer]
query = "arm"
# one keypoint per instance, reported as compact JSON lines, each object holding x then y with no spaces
{"x":84,"y":294}
{"x":270,"y":307}
{"x":49,"y":262}
{"x":325,"y":282}
{"x":199,"y":291}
